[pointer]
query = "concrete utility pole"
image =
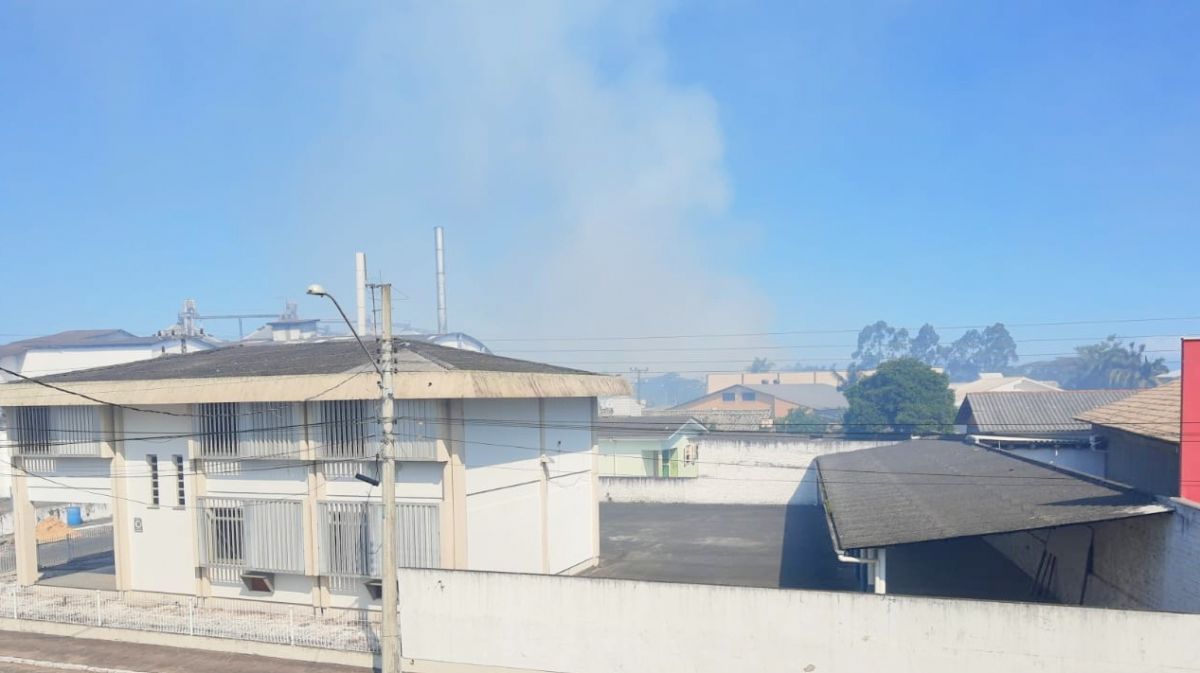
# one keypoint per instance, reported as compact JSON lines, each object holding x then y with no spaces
{"x":390,"y":633}
{"x":390,"y":630}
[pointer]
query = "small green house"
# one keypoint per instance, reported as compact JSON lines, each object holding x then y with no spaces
{"x":649,"y":446}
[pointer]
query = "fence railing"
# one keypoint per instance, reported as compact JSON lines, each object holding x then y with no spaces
{"x":77,"y":544}
{"x":8,"y":556}
{"x":331,"y":628}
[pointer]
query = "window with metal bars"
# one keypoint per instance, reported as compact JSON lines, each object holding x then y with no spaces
{"x":218,"y":430}
{"x":227,"y":528}
{"x":152,"y":462}
{"x":251,"y":534}
{"x":180,"y":499}
{"x":56,"y":431}
{"x":249,"y":430}
{"x":346,"y":427}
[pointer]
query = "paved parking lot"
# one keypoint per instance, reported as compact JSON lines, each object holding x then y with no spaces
{"x":742,"y":545}
{"x":787,"y":547}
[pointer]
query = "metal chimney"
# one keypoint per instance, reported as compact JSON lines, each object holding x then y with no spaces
{"x":441,"y":279}
{"x":360,"y":289}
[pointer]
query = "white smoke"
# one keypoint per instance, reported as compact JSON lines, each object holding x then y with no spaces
{"x":582,"y":191}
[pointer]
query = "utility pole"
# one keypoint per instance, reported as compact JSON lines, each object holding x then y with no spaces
{"x":639,"y":371}
{"x":390,"y":632}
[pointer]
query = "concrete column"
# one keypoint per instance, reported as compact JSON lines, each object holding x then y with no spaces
{"x":314,"y":493}
{"x":197,"y":487}
{"x":24,"y":524}
{"x":595,"y":482}
{"x":112,"y":425}
{"x":454,"y":488}
{"x":880,"y":568}
{"x":544,"y":485}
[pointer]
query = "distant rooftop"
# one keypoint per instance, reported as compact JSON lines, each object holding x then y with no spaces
{"x":1154,"y":413}
{"x":79,"y":338}
{"x":1032,"y":412}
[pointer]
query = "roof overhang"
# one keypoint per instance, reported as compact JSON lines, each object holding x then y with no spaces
{"x":352,"y":385}
{"x":927,"y":490}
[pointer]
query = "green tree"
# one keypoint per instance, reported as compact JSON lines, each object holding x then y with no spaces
{"x":1111,"y":364}
{"x":1108,"y":364}
{"x":924,"y":346}
{"x":760,"y":365}
{"x":991,"y":350}
{"x":904,"y":395}
{"x":801,"y":421}
{"x":879,"y":342}
{"x":668,"y":390}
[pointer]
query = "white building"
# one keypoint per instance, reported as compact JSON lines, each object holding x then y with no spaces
{"x":83,"y":349}
{"x":232,"y":472}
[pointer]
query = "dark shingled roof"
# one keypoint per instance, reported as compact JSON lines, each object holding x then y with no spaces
{"x":924,"y":490}
{"x":1032,"y":412}
{"x":334,"y":356}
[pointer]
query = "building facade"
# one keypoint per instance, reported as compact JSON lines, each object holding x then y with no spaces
{"x":256,"y":483}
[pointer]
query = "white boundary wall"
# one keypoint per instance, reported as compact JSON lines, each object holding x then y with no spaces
{"x":773,"y":470}
{"x":1146,"y":563}
{"x":591,"y":625}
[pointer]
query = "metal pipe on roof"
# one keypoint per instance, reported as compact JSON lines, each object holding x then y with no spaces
{"x":439,"y":251}
{"x":360,"y":289}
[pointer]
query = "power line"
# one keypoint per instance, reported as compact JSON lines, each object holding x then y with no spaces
{"x":1063,"y":323}
{"x":812,"y":346}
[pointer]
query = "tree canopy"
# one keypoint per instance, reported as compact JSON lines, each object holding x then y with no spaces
{"x":760,"y":365}
{"x":1108,"y":364}
{"x":668,"y":390}
{"x":904,"y":395}
{"x":993,"y":349}
{"x":800,"y":421}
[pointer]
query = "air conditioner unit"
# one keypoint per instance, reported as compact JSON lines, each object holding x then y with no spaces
{"x":259,"y":582}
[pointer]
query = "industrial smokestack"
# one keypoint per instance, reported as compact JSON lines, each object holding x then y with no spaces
{"x":441,"y":279}
{"x":360,"y":289}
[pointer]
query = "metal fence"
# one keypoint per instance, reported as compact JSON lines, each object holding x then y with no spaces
{"x":8,"y":556}
{"x":330,"y":628}
{"x":79,"y":543}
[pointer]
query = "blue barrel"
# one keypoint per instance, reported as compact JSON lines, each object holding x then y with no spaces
{"x":74,"y":516}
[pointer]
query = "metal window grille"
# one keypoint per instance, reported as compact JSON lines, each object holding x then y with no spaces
{"x":218,"y":430}
{"x":252,"y":534}
{"x":56,"y":431}
{"x":417,"y":428}
{"x":152,"y":461}
{"x":351,"y":534}
{"x":180,"y":496}
{"x":347,"y":429}
{"x":249,"y":430}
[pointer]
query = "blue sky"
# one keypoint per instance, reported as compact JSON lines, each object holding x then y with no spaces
{"x":608,"y":169}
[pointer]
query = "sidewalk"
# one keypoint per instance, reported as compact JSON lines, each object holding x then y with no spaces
{"x":141,"y":658}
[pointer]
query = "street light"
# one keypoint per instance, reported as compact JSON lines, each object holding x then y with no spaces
{"x":389,"y":636}
{"x":319,"y":291}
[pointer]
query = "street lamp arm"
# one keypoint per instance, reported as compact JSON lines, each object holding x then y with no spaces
{"x":352,"y":330}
